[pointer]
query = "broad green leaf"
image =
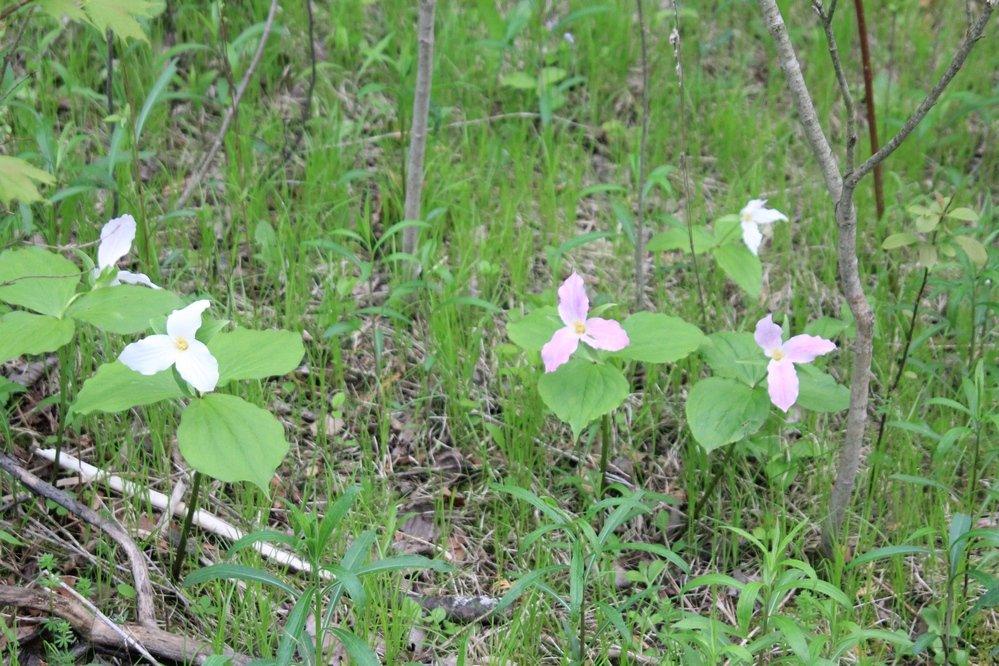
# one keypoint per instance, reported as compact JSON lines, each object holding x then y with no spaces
{"x":927,"y":224}
{"x":927,"y":255}
{"x":735,"y":355}
{"x":533,"y":330}
{"x":819,"y":392}
{"x":520,"y":81}
{"x":581,"y":391}
{"x":115,"y":388}
{"x":677,"y":239}
{"x":7,"y":389}
{"x":231,"y":440}
{"x":899,"y":240}
{"x":27,"y":333}
{"x":119,"y":16}
{"x":963,"y":214}
{"x":71,"y":9}
{"x":728,"y":229}
{"x":658,"y":338}
{"x":248,"y":354}
{"x":741,"y":266}
{"x":976,"y":251}
{"x":37,"y":279}
{"x":18,"y":178}
{"x":721,"y":411}
{"x":124,"y":308}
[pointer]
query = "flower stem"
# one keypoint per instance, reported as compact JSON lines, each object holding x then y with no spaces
{"x":606,"y":435}
{"x":65,"y":373}
{"x":695,"y":512}
{"x":192,"y":506}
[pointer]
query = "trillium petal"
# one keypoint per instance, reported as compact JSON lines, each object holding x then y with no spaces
{"x":150,"y":355}
{"x":804,"y":348}
{"x":768,"y":216}
{"x":127,"y":277}
{"x":752,"y":206}
{"x":573,"y":303}
{"x":184,"y":323}
{"x":782,"y":383}
{"x":116,"y":240}
{"x":751,"y":236}
{"x":198,"y":367}
{"x":767,"y":334}
{"x":605,"y":334}
{"x":559,"y":349}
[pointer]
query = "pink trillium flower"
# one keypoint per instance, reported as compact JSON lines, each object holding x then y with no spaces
{"x":782,"y":378}
{"x":754,"y":215}
{"x":573,"y":306}
{"x":116,"y":241}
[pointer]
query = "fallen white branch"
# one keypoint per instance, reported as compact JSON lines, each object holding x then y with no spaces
{"x":203,"y":519}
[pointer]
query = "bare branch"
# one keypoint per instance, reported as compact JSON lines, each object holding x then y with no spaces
{"x":145,"y":609}
{"x":230,"y":113}
{"x":642,"y":148}
{"x":418,"y":134}
{"x":802,"y":98}
{"x":974,"y":33}
{"x":844,"y":86}
{"x":872,"y":116}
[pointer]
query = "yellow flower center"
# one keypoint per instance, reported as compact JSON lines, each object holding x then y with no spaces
{"x":182,"y":344}
{"x":579,"y":327}
{"x":746,"y":217}
{"x":777,"y":355}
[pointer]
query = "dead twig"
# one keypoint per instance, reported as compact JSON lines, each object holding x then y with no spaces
{"x":155,"y":641}
{"x":418,"y":131}
{"x":145,"y":609}
{"x":230,"y":113}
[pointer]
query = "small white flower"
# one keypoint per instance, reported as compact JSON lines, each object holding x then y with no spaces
{"x":116,"y":240}
{"x":752,"y":217}
{"x":178,"y":347}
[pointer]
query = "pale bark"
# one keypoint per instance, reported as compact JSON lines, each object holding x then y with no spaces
{"x":418,"y":129}
{"x":841,"y":189}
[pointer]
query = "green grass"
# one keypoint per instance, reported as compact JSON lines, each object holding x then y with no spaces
{"x":439,"y":404}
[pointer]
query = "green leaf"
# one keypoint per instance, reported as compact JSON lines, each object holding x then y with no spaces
{"x":735,"y":355}
{"x":37,"y":279}
{"x":963,"y":214}
{"x":7,"y":389}
{"x":741,"y":266}
{"x":721,"y":411}
{"x":119,"y":16}
{"x":27,"y":333}
{"x":976,"y":251}
{"x":291,"y":634}
{"x":18,"y":178}
{"x":885,"y":553}
{"x":231,"y":440}
{"x":532,"y":331}
{"x":520,"y":81}
{"x":359,"y":652}
{"x":247,"y":354}
{"x":927,"y":255}
{"x":581,"y":391}
{"x":927,"y":224}
{"x":899,"y":240}
{"x":115,"y":388}
{"x":658,"y":338}
{"x":677,"y":239}
{"x":124,"y":309}
{"x":819,"y":392}
{"x":236,"y":572}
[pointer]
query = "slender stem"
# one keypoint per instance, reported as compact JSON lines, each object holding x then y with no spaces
{"x":688,"y":197}
{"x":973,"y":485}
{"x":872,"y":121}
{"x":695,"y":513}
{"x":581,"y":648}
{"x":418,"y":132}
{"x":7,"y":11}
{"x":109,"y":94}
{"x":642,"y":149}
{"x":876,"y":449}
{"x":192,"y":506}
{"x":65,"y":373}
{"x":606,"y":436}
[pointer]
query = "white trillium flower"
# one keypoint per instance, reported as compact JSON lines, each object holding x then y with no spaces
{"x":179,"y":347}
{"x":753,"y":216}
{"x":116,"y":241}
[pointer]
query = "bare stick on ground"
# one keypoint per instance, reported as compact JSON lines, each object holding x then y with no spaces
{"x":199,"y":173}
{"x":144,"y":608}
{"x":841,"y":188}
{"x":418,"y":132}
{"x":162,"y":644}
